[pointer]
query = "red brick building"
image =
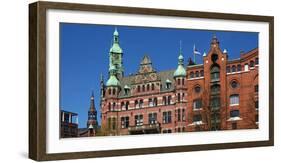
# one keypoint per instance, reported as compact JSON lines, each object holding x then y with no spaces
{"x":220,"y":94}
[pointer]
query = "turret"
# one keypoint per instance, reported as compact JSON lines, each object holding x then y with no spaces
{"x":116,"y":55}
{"x":92,"y":122}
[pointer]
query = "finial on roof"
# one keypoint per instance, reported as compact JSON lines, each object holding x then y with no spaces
{"x":204,"y":54}
{"x":224,"y":51}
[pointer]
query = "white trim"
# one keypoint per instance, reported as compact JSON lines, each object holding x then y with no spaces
{"x":201,"y":77}
{"x":234,"y":119}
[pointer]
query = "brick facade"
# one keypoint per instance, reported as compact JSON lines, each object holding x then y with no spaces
{"x":220,"y":94}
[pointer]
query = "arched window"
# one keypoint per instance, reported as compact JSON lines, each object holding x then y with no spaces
{"x":136,"y":104}
{"x":239,"y":67}
{"x":169,"y":100}
{"x":114,"y":91}
{"x":197,"y":89}
{"x":252,"y":64}
{"x":109,"y":91}
{"x":215,"y":73}
{"x":138,"y":88}
{"x":164,"y":100}
{"x":127,"y":105}
{"x":150,"y":102}
{"x":234,"y":99}
{"x":182,"y":81}
{"x":201,"y":73}
{"x":191,"y":75}
{"x":233,"y":68}
{"x":155,"y":101}
{"x":228,"y":69}
{"x":122,"y":105}
{"x":148,"y":87}
{"x":256,"y":61}
{"x":152,"y":86}
{"x":179,"y":97}
{"x":197,"y":74}
{"x":143,"y":88}
{"x":179,"y":81}
{"x":141,"y":103}
{"x":113,"y":106}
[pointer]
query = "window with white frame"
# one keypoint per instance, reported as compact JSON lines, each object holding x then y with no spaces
{"x":139,"y":120}
{"x":125,"y":122}
{"x":152,"y":118}
{"x":167,"y":117}
{"x":197,"y":104}
{"x":234,"y":99}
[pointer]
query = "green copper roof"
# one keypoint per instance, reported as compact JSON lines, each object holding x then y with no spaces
{"x":180,"y":72}
{"x":112,"y":81}
{"x":116,"y":48}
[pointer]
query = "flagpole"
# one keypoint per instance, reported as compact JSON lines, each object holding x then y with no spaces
{"x":194,"y":58}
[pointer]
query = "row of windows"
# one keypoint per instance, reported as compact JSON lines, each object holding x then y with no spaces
{"x":180,"y":81}
{"x":147,"y":87}
{"x":166,"y":100}
{"x":167,"y":118}
{"x":196,"y":74}
{"x":139,"y":103}
{"x":238,"y":68}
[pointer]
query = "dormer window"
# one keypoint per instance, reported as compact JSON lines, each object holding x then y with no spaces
{"x":168,"y":84}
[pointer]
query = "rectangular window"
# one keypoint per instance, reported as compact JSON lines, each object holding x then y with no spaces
{"x":256,"y":88}
{"x":183,"y":114}
{"x":152,"y":118}
{"x":234,"y":113}
{"x":234,"y":99}
{"x":167,"y":117}
{"x":139,"y":120}
{"x":257,"y":104}
{"x":197,"y":118}
{"x":125,"y":122}
{"x":257,"y":118}
{"x":169,"y":100}
{"x":114,"y":123}
{"x":179,"y":114}
{"x":150,"y":103}
{"x":197,"y":104}
{"x":215,"y":102}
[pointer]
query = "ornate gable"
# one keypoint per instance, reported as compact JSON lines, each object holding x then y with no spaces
{"x":146,"y":72}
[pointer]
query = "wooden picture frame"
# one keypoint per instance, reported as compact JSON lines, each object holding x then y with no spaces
{"x":37,"y":79}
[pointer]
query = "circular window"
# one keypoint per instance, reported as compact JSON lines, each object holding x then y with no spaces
{"x":197,"y":89}
{"x":234,"y":84}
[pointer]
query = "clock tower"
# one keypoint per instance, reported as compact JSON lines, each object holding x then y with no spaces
{"x":116,"y":55}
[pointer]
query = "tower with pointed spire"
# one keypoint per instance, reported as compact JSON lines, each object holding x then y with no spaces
{"x":116,"y":55}
{"x":92,"y":122}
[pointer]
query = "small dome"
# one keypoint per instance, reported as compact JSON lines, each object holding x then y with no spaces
{"x":180,"y":72}
{"x":180,"y":57}
{"x":112,"y":81}
{"x":116,"y":48}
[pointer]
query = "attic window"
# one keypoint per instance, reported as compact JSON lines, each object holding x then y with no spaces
{"x":168,"y":84}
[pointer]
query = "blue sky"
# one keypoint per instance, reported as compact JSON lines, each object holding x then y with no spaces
{"x":84,"y":55}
